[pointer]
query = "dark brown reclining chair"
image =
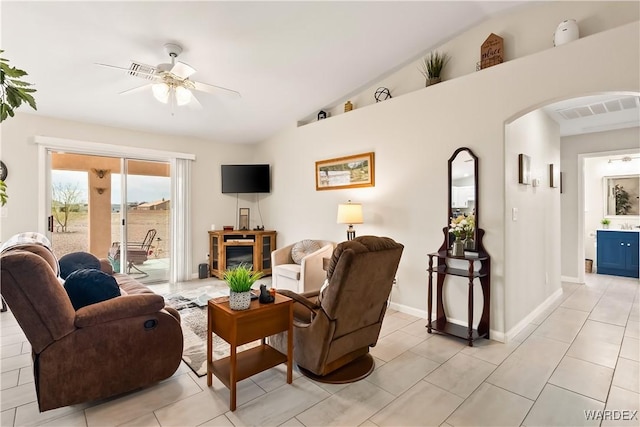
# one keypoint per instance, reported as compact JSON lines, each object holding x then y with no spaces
{"x":333,"y":331}
{"x":100,"y":350}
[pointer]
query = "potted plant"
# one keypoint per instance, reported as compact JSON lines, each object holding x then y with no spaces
{"x":13,"y":92}
{"x":240,"y":279}
{"x":432,"y":66}
{"x":605,"y":222}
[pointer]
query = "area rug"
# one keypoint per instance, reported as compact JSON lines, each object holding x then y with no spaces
{"x":192,"y":306}
{"x":193,"y":318}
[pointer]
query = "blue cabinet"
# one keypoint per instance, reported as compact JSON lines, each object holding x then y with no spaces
{"x":618,"y":253}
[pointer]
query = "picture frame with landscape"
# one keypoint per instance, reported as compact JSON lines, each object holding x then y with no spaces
{"x":346,"y":172}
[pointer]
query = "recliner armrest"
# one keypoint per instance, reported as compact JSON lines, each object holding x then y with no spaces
{"x":118,"y":308}
{"x":299,"y":298}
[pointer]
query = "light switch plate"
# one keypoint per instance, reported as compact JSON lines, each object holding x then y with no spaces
{"x":514,"y":214}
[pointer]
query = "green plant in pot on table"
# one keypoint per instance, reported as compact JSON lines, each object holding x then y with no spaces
{"x":605,"y":222}
{"x":240,"y":279}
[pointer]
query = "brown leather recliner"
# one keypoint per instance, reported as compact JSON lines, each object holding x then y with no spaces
{"x":102,"y":349}
{"x":333,"y":331}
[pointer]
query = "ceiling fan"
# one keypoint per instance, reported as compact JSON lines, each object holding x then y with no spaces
{"x":170,"y":83}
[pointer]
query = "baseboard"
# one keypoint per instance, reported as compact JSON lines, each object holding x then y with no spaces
{"x":408,"y":310}
{"x":528,"y":318}
{"x":571,"y":280}
{"x":495,"y":335}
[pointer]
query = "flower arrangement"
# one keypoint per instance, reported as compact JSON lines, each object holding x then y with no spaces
{"x":462,"y":226}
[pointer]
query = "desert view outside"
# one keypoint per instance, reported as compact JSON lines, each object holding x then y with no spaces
{"x":75,"y":239}
{"x":148,"y":208}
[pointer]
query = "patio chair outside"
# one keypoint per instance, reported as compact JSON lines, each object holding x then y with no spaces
{"x":137,"y":253}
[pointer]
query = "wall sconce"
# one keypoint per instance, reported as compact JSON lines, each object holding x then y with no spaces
{"x":100,"y":173}
{"x":350,"y":213}
{"x":100,"y":190}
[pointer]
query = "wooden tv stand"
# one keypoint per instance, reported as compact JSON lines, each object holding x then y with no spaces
{"x":228,"y":248}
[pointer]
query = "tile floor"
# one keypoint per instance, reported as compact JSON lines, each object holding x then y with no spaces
{"x":581,"y":354}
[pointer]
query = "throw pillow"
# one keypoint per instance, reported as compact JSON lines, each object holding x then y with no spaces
{"x":90,"y":286}
{"x":302,"y":249}
{"x":77,"y":261}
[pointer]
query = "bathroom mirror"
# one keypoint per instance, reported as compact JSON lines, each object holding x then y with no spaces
{"x":621,"y":196}
{"x":463,"y":192}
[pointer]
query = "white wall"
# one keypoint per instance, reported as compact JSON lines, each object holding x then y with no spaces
{"x":532,"y":238}
{"x":526,"y":30}
{"x":19,"y":153}
{"x":571,"y":148}
{"x":414,"y":135}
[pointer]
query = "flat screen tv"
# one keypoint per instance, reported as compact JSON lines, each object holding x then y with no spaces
{"x":246,"y":179}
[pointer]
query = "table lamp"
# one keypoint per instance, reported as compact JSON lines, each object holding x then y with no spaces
{"x":350,"y":213}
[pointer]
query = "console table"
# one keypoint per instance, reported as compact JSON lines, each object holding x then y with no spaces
{"x":229,"y":248}
{"x":442,"y":270}
{"x":238,"y":327}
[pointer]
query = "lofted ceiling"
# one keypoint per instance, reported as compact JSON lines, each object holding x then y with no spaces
{"x":287,"y":59}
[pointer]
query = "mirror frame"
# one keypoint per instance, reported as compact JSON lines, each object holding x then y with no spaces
{"x":606,"y":196}
{"x":477,"y":200}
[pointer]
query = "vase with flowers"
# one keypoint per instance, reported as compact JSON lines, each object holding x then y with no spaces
{"x":457,"y":227}
{"x":469,"y":230}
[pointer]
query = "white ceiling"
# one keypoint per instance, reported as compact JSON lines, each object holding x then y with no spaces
{"x":287,"y":59}
{"x":596,"y":113}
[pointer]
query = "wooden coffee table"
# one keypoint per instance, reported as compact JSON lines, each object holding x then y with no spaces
{"x":238,"y":327}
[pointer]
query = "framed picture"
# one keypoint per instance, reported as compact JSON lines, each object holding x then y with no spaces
{"x":243,"y":219}
{"x":554,"y":176}
{"x":346,"y":172}
{"x":524,"y":169}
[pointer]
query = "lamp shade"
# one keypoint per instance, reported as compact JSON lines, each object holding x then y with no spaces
{"x":350,"y":213}
{"x":161,"y":92}
{"x":164,"y":93}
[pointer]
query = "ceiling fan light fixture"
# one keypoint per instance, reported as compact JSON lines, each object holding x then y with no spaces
{"x":183,"y":95}
{"x":161,"y":92}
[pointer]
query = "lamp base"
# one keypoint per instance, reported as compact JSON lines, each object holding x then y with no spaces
{"x":351,"y":232}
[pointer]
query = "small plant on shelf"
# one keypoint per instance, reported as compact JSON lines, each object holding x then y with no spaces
{"x":605,"y":222}
{"x":432,"y":65}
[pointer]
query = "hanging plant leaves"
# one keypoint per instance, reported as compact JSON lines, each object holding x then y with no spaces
{"x":13,"y":90}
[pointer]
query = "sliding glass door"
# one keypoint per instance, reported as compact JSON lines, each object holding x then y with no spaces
{"x":147,"y":222}
{"x":112,"y":207}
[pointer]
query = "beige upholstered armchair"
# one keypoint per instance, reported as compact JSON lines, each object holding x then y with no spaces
{"x":298,"y":267}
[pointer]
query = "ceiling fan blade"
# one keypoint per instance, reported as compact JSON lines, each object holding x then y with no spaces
{"x":139,"y":71}
{"x":136,"y":89}
{"x":111,"y":66}
{"x":182,"y":70}
{"x":195,"y":103}
{"x":215,"y":90}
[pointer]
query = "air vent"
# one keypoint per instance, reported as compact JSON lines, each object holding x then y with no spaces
{"x":626,"y":103}
{"x":142,"y":71}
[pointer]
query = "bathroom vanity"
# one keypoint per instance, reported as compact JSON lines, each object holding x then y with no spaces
{"x":618,"y":252}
